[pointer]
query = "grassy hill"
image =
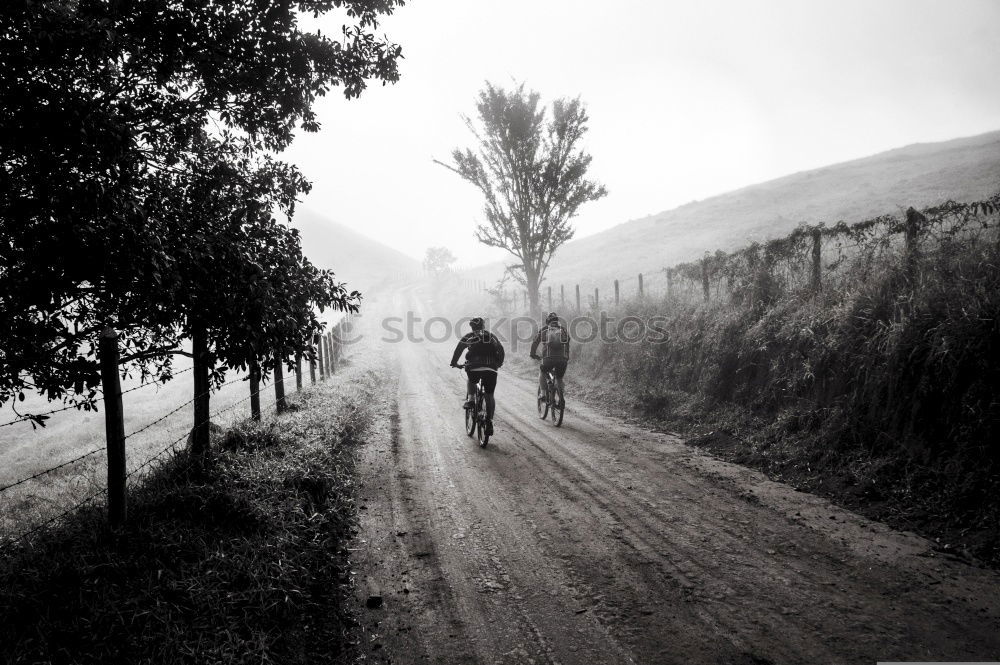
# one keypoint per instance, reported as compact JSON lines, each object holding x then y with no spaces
{"x":917,"y":175}
{"x":363,"y":263}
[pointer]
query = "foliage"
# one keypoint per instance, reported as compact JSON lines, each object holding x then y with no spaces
{"x":532,"y":172}
{"x":235,"y":271}
{"x":101,"y":99}
{"x":762,"y":273}
{"x":438,"y":261}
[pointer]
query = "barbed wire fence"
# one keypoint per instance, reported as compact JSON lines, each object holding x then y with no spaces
{"x":809,"y":260}
{"x":329,"y":355}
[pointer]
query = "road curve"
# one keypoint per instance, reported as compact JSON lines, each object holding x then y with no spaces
{"x":600,"y":542}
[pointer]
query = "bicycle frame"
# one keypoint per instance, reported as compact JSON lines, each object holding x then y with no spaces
{"x":475,"y":418}
{"x":548,"y":404}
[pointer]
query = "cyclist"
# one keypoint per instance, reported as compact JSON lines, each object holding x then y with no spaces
{"x":484,"y":357}
{"x":554,"y":339}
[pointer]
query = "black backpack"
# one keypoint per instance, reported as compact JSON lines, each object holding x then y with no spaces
{"x":484,"y":348}
{"x":555,"y":343}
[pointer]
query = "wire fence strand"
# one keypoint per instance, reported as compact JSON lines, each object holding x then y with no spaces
{"x":20,"y":538}
{"x":171,"y":446}
{"x":44,"y":525}
{"x":172,"y":412}
{"x":81,"y":406}
{"x":47,"y":413}
{"x":55,"y":468}
{"x":102,"y":448}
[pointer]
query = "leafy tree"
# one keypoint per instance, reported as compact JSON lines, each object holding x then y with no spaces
{"x":438,"y":261}
{"x":532,"y":172}
{"x":238,"y":285}
{"x":100,"y":98}
{"x":236,"y":272}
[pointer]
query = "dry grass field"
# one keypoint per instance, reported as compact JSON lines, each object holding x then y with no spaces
{"x":25,"y":451}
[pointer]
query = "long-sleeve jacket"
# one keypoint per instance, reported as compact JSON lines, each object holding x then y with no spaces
{"x":484,"y":350}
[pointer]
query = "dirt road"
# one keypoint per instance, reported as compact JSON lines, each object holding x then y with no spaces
{"x":600,"y":542}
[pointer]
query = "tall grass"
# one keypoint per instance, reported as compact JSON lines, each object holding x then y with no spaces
{"x":888,"y":383}
{"x":244,"y":561}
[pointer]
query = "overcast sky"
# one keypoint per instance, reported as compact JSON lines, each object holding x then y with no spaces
{"x":686,"y":100}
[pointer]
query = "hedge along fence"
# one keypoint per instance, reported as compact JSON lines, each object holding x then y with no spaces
{"x":330,"y":352}
{"x":884,"y":343}
{"x":811,"y":258}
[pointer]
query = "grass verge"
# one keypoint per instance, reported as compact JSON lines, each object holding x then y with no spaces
{"x":880,"y":394}
{"x":245,"y":561}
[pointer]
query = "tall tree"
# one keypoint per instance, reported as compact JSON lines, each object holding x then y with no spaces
{"x":98,"y":98}
{"x":531,"y":168}
{"x":438,"y":261}
{"x":238,"y":286}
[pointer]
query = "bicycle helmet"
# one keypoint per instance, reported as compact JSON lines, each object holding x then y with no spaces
{"x":476,"y":323}
{"x":550,"y":317}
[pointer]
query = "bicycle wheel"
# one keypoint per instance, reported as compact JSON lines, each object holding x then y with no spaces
{"x":484,"y":438}
{"x":470,"y":421}
{"x":543,"y":404}
{"x":558,"y":406}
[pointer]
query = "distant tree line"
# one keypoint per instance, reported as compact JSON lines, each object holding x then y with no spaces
{"x":139,"y":185}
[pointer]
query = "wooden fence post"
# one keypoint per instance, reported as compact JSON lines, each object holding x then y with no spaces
{"x":320,"y":358}
{"x":597,"y":299}
{"x":578,"y":310}
{"x":312,"y":370}
{"x":670,"y":282}
{"x":616,"y":293}
{"x":114,"y":426}
{"x":640,"y":285}
{"x":327,"y":354}
{"x":911,"y":234}
{"x":335,"y":342}
{"x":816,"y":261}
{"x":704,"y":277}
{"x":562,"y":296}
{"x":550,"y":298}
{"x":298,"y":372}
{"x":331,"y":344}
{"x":279,"y":383}
{"x":255,"y":391}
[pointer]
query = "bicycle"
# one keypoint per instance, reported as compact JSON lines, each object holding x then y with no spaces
{"x":475,"y":417}
{"x":552,"y":402}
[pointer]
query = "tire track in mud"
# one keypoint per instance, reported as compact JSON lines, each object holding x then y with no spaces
{"x":815,"y":602}
{"x":490,"y":553}
{"x":599,"y":543}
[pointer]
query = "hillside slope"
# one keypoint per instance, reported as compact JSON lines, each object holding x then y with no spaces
{"x":918,"y":175}
{"x":364,"y":264}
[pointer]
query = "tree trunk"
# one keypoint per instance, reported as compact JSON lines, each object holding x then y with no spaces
{"x":114,"y":427}
{"x":532,"y":283}
{"x":202,"y":405}
{"x":255,"y":390}
{"x":281,"y":405}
